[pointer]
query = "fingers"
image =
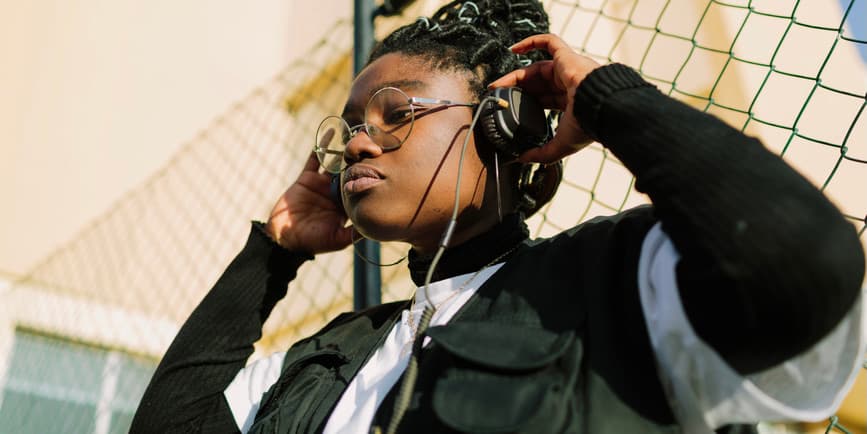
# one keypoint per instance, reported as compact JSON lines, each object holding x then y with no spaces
{"x":537,"y":74}
{"x":560,"y":146}
{"x":568,"y":139}
{"x":564,"y":72}
{"x":538,"y":80}
{"x":312,"y":163}
{"x":321,"y":185}
{"x":549,"y":153}
{"x":553,"y":83}
{"x":547,"y":42}
{"x":311,"y":179}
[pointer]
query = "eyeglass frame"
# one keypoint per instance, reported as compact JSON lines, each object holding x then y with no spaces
{"x":412,"y":101}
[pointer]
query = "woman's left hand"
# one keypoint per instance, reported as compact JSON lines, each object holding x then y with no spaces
{"x":553,"y":83}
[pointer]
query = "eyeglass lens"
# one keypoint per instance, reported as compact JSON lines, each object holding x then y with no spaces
{"x":388,"y":120}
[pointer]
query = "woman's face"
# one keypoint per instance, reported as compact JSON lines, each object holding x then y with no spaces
{"x":407,"y":194}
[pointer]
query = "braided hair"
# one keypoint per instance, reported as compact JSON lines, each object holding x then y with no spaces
{"x":471,"y":36}
{"x":474,"y":37}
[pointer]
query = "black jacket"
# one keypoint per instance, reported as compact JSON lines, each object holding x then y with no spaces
{"x":513,"y":359}
{"x":750,"y":230}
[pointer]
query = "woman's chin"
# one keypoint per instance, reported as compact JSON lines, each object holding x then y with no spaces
{"x":377,"y":225}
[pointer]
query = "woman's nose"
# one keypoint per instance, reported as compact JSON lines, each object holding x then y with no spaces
{"x":361,"y":146}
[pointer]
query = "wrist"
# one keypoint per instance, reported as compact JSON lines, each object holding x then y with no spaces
{"x":281,"y":253}
{"x":600,"y":84}
{"x":269,"y":228}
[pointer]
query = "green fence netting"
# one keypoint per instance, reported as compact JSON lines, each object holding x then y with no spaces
{"x":102,"y":309}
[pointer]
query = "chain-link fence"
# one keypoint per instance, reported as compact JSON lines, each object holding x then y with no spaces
{"x":89,"y":323}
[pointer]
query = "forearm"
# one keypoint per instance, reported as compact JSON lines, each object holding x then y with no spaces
{"x":216,"y":340}
{"x":768,"y":265}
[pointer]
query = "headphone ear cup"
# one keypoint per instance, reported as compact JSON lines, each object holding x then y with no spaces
{"x":492,"y":132}
{"x":518,"y":126}
{"x":538,"y":184}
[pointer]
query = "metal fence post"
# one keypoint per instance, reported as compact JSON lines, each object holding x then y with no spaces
{"x":366,"y":277}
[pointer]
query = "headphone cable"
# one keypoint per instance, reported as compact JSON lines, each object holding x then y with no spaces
{"x":401,"y":403}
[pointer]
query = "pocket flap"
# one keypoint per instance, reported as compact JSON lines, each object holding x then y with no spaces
{"x":502,"y":346}
{"x":488,"y":402}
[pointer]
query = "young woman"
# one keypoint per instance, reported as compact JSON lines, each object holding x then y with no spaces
{"x":734,"y":298}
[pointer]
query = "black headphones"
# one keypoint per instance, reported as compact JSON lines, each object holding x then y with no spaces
{"x":519,"y":126}
{"x":513,"y":128}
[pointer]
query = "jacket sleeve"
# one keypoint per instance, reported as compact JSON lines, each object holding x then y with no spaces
{"x":768,"y":265}
{"x":186,"y":391}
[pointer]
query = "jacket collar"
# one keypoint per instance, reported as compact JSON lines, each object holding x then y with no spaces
{"x":473,"y":254}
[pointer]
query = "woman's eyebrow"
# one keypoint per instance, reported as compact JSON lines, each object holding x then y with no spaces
{"x":404,"y":85}
{"x":349,"y":114}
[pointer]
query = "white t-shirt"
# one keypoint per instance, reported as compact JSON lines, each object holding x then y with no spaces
{"x":704,"y":392}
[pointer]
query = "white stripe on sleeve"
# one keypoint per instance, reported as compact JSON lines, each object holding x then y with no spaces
{"x":706,"y":393}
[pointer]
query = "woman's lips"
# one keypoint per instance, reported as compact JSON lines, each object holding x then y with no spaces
{"x":360,"y":178}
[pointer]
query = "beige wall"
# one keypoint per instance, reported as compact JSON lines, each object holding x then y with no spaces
{"x":95,"y":96}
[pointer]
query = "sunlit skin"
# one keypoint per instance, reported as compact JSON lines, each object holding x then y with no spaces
{"x":407,"y":194}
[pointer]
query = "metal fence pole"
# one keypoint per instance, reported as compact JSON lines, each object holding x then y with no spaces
{"x":366,"y":277}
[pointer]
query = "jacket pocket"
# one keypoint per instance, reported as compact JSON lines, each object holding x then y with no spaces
{"x":286,"y":405}
{"x":504,"y":377}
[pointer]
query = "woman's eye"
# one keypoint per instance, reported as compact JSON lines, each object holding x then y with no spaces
{"x":398,"y":116}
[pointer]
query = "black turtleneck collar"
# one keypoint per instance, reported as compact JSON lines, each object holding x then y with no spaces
{"x":473,"y":254}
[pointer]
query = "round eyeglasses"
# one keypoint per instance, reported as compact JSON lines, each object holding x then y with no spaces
{"x":388,"y":120}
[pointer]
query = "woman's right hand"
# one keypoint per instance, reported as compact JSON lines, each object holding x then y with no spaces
{"x":553,"y":82}
{"x":305,"y":219}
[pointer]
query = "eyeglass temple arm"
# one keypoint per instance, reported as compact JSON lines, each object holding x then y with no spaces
{"x":322,"y":150}
{"x":417,"y":100}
